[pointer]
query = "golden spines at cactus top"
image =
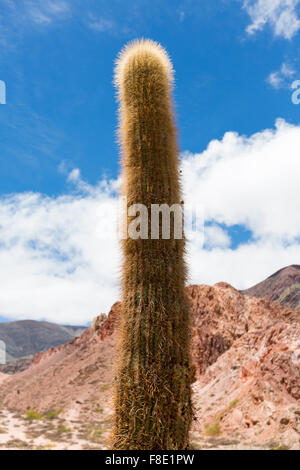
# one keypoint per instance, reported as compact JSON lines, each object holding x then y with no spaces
{"x":152,"y":399}
{"x":146,"y":54}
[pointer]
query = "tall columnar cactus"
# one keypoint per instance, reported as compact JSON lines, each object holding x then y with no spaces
{"x":153,"y":400}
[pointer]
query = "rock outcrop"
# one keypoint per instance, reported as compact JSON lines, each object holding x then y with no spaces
{"x":14,"y":367}
{"x":222,"y":315}
{"x":252,"y":392}
{"x":246,"y":354}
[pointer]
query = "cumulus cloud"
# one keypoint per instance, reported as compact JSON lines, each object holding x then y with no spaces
{"x":216,"y":237}
{"x":60,"y":256}
{"x":281,"y":15}
{"x":251,"y":182}
{"x":282,"y":77}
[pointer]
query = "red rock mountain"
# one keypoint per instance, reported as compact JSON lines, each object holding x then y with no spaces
{"x":283,"y":287}
{"x":246,"y":354}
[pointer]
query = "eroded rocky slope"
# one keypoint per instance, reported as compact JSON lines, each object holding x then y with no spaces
{"x":283,"y":287}
{"x":246,"y":355}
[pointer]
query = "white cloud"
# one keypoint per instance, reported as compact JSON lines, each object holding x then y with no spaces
{"x":18,"y":16}
{"x":242,"y":267}
{"x":40,"y":11}
{"x":216,"y":237}
{"x":100,"y":24}
{"x":58,"y":260}
{"x":45,"y":11}
{"x":281,"y":15}
{"x":282,"y":77}
{"x":250,"y":181}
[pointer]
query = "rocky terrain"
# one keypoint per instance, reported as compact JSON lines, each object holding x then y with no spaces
{"x":64,"y":399}
{"x":18,"y":365}
{"x":246,"y":354}
{"x":27,"y":337}
{"x":250,"y":392}
{"x":283,"y":287}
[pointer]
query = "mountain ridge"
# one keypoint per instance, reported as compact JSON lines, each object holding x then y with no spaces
{"x":282,"y":287}
{"x":245,"y":373}
{"x":27,"y":337}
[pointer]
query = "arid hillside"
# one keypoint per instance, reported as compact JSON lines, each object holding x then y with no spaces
{"x":246,"y":355}
{"x":27,"y":337}
{"x":283,"y":287}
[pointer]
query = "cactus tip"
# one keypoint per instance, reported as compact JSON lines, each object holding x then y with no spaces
{"x":140,"y":47}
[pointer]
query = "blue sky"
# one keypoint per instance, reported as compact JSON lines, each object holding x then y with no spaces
{"x":235,"y":61}
{"x":60,"y":98}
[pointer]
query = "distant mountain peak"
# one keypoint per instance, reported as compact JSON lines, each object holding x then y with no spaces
{"x":287,"y":268}
{"x":282,"y":287}
{"x":27,"y":337}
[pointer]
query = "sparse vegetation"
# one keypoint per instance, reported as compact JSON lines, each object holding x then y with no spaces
{"x":92,"y":432}
{"x":227,"y":410}
{"x":47,"y":447}
{"x":280,"y":447}
{"x":213,"y":430}
{"x":233,"y":404}
{"x":33,"y":415}
{"x":52,"y":414}
{"x":64,"y":429}
{"x":98,"y":409}
{"x":105,"y":387}
{"x":58,"y":434}
{"x":97,"y":434}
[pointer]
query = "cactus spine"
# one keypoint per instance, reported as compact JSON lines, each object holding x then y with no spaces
{"x":152,"y":400}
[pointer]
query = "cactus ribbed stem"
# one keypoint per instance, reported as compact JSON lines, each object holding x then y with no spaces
{"x":152,"y":400}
